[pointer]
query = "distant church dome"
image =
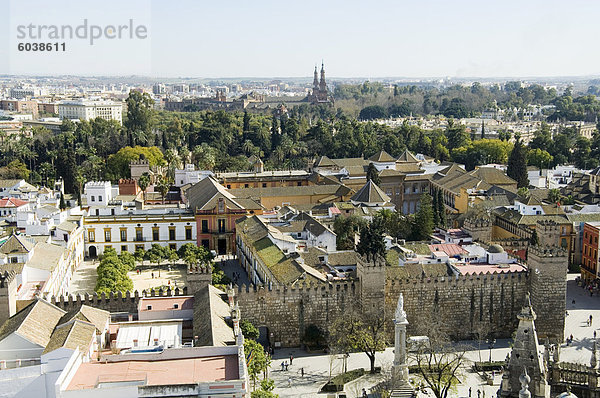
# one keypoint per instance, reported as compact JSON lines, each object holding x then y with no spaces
{"x":496,"y":249}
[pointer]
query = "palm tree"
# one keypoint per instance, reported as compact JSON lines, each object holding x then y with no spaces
{"x":248,"y":147}
{"x":144,"y":182}
{"x":163,"y":187}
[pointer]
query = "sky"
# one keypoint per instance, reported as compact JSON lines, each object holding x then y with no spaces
{"x":212,"y":39}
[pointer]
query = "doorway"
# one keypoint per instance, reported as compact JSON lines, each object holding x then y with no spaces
{"x":222,"y":246}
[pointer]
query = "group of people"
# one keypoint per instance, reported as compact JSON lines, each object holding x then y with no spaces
{"x":590,"y":287}
{"x":285,"y":364}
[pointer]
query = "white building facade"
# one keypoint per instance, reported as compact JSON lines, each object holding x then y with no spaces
{"x":87,"y":110}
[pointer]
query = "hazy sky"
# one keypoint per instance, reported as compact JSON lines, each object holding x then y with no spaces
{"x":277,"y":38}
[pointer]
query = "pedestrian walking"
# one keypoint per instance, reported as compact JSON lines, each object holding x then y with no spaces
{"x":478,"y":393}
{"x":286,"y":366}
{"x":590,"y":320}
{"x":364,"y":393}
{"x":152,"y":275}
{"x":291,"y":358}
{"x":289,"y":381}
{"x":282,"y":365}
{"x":302,"y":372}
{"x":469,"y":392}
{"x":594,"y":334}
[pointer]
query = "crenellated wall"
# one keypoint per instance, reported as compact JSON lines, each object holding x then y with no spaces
{"x":114,"y":302}
{"x":464,"y":307}
{"x":287,"y":311}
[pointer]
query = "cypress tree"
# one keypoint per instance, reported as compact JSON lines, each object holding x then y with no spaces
{"x":436,"y":214}
{"x":373,"y":174}
{"x":62,"y":204}
{"x":423,"y":222}
{"x":441,"y":209}
{"x":246,"y":121}
{"x":517,"y":165}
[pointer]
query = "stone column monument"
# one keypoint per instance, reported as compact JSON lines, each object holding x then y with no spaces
{"x":400,"y":369}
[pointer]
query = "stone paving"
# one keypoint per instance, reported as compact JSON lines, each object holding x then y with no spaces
{"x":230,"y":265}
{"x":84,"y":279}
{"x":576,"y":323}
{"x":150,"y":277}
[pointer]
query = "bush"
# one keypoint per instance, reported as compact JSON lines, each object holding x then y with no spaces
{"x":313,"y":336}
{"x":128,"y":260}
{"x":488,"y":366}
{"x":249,"y":330}
{"x":337,"y":382}
{"x":219,"y":279}
{"x":112,"y":273}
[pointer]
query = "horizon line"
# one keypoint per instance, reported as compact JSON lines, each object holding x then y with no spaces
{"x":303,"y":77}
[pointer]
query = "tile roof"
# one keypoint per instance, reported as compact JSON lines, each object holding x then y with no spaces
{"x":16,"y":244}
{"x":450,"y":249}
{"x":382,"y":157}
{"x":284,"y":270}
{"x":95,"y":316}
{"x":73,"y":334}
{"x":203,"y":195}
{"x":456,"y":181}
{"x":370,"y":193}
{"x":345,"y":162}
{"x":8,"y":183}
{"x":333,"y":189}
{"x":493,"y":176}
{"x":390,"y":173}
{"x":209,"y":321}
{"x":12,"y":202}
{"x":407,"y":157}
{"x":409,"y":168}
{"x":324,"y":161}
{"x":46,"y":256}
{"x":35,"y":323}
{"x":67,"y":226}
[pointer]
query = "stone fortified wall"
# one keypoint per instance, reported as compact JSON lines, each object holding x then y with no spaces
{"x":288,"y":311}
{"x":472,"y":306}
{"x":114,"y":302}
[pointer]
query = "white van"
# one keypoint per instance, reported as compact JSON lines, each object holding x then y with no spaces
{"x":417,"y":343}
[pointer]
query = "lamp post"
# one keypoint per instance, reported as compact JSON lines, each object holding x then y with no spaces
{"x":490,"y":343}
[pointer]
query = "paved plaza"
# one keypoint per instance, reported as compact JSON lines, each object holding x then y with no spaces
{"x":84,"y":279}
{"x":152,"y":277}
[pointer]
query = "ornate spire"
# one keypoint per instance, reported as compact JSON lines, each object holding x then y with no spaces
{"x":527,"y":311}
{"x":316,"y":78}
{"x":322,"y":84}
{"x":524,"y":379}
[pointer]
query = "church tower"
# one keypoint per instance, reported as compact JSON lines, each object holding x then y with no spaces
{"x":322,"y":83}
{"x":320,"y":93}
